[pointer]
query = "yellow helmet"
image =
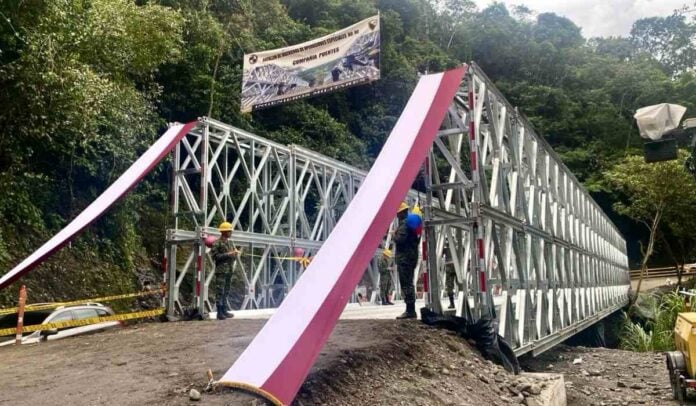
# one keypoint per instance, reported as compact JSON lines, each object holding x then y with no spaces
{"x":387,"y":253}
{"x":225,"y":226}
{"x":417,"y":211}
{"x":404,"y":206}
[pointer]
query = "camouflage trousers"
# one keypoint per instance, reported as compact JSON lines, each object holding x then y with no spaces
{"x":385,"y":283}
{"x":223,"y":282}
{"x":451,"y":280}
{"x":406,"y":268}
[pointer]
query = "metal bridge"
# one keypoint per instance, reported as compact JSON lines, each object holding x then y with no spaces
{"x":529,"y":245}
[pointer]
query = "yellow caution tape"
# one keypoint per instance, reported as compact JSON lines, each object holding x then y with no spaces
{"x":78,"y":302}
{"x":84,"y":322}
{"x":304,"y":261}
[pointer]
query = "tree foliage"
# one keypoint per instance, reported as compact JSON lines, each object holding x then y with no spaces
{"x":670,"y":40}
{"x":657,"y":195}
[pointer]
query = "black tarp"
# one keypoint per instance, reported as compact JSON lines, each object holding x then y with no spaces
{"x":492,"y":346}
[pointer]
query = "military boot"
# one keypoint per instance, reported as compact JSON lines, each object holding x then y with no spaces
{"x":221,"y":312}
{"x":451,"y":298}
{"x":228,"y":312}
{"x":410,"y":312}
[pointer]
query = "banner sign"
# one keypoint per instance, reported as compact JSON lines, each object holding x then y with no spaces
{"x":345,"y":58}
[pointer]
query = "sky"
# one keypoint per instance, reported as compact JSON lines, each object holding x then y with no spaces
{"x":600,"y":18}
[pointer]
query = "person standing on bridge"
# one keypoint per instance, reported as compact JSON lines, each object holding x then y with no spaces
{"x":223,"y":254}
{"x":385,"y":276}
{"x":450,"y":277}
{"x":406,"y":242}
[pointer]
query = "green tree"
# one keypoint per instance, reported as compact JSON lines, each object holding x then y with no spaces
{"x":78,"y":104}
{"x":659,"y":196}
{"x":670,"y":40}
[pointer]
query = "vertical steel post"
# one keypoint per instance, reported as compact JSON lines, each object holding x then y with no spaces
{"x":20,"y":314}
{"x":478,"y":254}
{"x":163,"y":284}
{"x":433,"y":297}
{"x":201,"y":290}
{"x":172,"y":289}
{"x":292,"y":213}
{"x":172,"y":294}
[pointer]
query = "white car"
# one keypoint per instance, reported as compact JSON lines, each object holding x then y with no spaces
{"x":63,"y":313}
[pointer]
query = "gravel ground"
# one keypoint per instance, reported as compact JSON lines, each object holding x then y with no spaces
{"x":601,"y":376}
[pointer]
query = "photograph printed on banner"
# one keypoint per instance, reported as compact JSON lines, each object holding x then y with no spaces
{"x":345,"y":58}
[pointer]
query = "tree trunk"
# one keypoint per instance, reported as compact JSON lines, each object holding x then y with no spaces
{"x":679,"y":267}
{"x":212,"y":81}
{"x":647,"y":253}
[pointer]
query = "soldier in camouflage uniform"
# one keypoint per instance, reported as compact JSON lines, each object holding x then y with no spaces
{"x":385,"y":276}
{"x":406,"y":242}
{"x":223,"y":254}
{"x":450,"y":277}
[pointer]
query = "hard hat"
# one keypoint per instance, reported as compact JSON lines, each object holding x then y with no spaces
{"x":417,"y":211}
{"x":387,"y":253}
{"x":404,"y":206}
{"x":225,"y":226}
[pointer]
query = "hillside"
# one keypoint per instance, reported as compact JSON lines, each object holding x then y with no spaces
{"x":87,"y":85}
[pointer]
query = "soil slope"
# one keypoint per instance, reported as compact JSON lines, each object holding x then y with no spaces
{"x":374,"y":361}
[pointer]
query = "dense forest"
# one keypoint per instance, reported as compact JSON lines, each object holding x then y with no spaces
{"x":87,"y":85}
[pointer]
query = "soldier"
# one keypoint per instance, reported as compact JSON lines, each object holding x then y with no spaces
{"x":450,"y":277}
{"x":406,"y":242}
{"x":385,"y":276}
{"x":223,"y":254}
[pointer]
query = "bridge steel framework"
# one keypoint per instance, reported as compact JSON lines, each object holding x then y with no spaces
{"x":278,"y":198}
{"x":528,"y":244}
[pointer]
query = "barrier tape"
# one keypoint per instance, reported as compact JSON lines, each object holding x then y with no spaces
{"x":48,"y":306}
{"x":304,"y":261}
{"x":84,"y":322}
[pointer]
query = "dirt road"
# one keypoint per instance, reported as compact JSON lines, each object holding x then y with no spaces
{"x":374,"y":361}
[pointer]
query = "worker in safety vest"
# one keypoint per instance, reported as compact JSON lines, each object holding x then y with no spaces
{"x":385,"y":276}
{"x":406,"y":242}
{"x":223,"y":254}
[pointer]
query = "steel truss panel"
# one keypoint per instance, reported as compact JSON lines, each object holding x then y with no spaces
{"x":528,"y":243}
{"x":278,"y":198}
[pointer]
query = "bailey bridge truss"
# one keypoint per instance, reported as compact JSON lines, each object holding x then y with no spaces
{"x":282,"y":201}
{"x":528,"y":243}
{"x":529,"y":246}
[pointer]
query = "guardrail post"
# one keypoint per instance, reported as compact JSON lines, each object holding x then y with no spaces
{"x":20,"y":314}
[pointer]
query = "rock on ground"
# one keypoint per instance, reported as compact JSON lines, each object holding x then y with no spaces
{"x":607,"y":376}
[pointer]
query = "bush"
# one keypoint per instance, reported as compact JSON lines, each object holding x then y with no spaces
{"x":635,"y":338}
{"x":656,"y":316}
